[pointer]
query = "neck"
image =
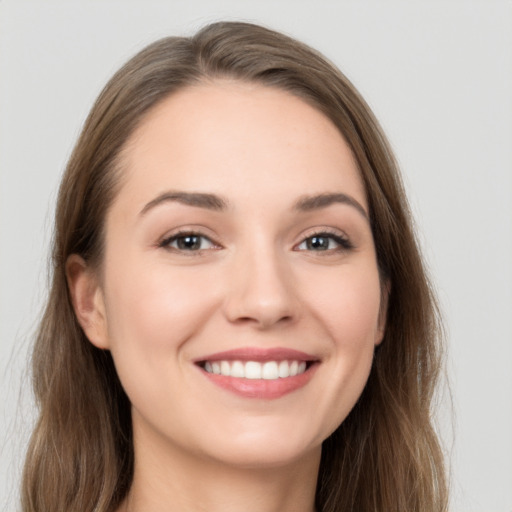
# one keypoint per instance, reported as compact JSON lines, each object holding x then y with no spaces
{"x":170,"y":481}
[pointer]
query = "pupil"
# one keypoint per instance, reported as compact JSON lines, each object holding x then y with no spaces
{"x":319,"y":243}
{"x":189,"y":242}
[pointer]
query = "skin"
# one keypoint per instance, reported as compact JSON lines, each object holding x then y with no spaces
{"x":255,"y":281}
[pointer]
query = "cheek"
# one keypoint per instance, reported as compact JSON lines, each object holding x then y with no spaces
{"x":353,"y":326}
{"x":152,"y":314}
{"x":348,"y":311}
{"x":348,"y":306}
{"x":154,"y":308}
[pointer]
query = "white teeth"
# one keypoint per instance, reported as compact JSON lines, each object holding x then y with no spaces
{"x":252,"y":370}
{"x":270,"y":370}
{"x":284,"y":369}
{"x":237,"y":369}
{"x":225,"y":368}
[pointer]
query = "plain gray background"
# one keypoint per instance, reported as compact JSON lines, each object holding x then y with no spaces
{"x":439,"y":77}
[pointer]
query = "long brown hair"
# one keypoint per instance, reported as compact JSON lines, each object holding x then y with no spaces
{"x":385,"y":456}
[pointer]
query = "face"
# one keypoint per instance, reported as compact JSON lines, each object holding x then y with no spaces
{"x":239,"y":294}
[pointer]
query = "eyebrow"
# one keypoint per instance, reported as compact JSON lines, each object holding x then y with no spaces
{"x":198,"y":199}
{"x":308,"y":203}
{"x":217,"y":203}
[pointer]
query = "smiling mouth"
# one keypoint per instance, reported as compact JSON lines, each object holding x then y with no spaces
{"x":268,"y":370}
{"x":259,"y":373}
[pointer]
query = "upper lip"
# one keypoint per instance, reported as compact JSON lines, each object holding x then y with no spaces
{"x":259,"y":354}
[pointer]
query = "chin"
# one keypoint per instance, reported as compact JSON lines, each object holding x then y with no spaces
{"x":264,"y":449}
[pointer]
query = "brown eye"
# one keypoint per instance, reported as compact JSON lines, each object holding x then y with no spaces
{"x":318,"y":243}
{"x":324,"y":242}
{"x":189,"y":242}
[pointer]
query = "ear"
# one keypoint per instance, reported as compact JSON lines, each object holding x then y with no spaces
{"x":383,"y":311}
{"x":88,"y":302}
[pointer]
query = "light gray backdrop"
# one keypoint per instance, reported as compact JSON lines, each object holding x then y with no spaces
{"x":439,"y":77}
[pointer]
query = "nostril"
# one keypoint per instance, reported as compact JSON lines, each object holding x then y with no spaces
{"x":264,"y":320}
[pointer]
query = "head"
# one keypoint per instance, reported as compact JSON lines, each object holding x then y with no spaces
{"x":82,"y":401}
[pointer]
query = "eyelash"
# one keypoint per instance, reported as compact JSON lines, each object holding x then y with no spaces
{"x":343,"y":243}
{"x":166,"y":242}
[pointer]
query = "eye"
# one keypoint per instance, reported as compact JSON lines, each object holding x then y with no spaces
{"x":325,"y":242}
{"x":188,"y":242}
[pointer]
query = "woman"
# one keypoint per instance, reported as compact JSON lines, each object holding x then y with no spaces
{"x":239,"y":317}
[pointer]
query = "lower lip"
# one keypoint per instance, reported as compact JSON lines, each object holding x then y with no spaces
{"x":262,"y":388}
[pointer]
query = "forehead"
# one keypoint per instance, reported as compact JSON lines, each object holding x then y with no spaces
{"x":238,"y":139}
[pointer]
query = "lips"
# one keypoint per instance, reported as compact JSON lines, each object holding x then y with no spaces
{"x":259,"y":373}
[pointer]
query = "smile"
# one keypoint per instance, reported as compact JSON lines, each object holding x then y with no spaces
{"x":257,"y":373}
{"x":269,"y":370}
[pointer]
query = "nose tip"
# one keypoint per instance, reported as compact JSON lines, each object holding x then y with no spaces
{"x":261,"y":295}
{"x":263,"y":314}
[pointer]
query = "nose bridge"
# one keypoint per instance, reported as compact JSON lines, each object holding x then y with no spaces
{"x":261,"y":287}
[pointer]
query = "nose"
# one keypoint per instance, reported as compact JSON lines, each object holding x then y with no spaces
{"x":261,"y":291}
